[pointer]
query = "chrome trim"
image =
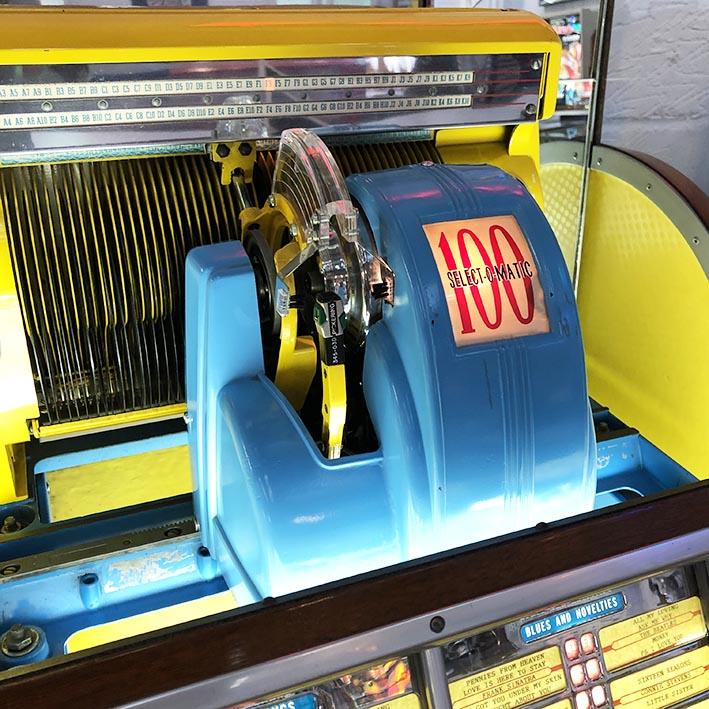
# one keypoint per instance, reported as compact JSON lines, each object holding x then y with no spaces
{"x":665,"y":197}
{"x":563,"y":151}
{"x":57,"y":108}
{"x":434,"y":679}
{"x":96,"y":550}
{"x":400,"y":638}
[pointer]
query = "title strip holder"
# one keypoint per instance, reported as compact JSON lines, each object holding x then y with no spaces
{"x":568,"y":618}
{"x":76,"y":107}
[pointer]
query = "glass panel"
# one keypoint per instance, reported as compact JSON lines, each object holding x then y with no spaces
{"x":565,"y":137}
{"x":388,"y":685}
{"x":195,"y":185}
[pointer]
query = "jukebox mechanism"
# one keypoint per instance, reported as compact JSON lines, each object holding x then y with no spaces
{"x":293,"y":310}
{"x":400,"y":334}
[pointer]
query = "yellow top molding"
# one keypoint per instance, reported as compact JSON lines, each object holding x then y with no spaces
{"x":49,"y":35}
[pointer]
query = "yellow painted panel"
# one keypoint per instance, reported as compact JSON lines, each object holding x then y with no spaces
{"x":18,"y":399}
{"x":147,"y":622}
{"x":664,"y":684}
{"x":561,"y":185}
{"x":471,"y":135}
{"x":408,"y":701}
{"x":521,"y":681}
{"x":76,"y":35}
{"x":644,"y":307}
{"x":13,"y":476}
{"x":99,"y":423}
{"x":120,"y":482}
{"x":652,"y":633}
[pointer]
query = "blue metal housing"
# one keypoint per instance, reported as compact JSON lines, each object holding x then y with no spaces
{"x":475,"y":441}
{"x":177,"y":570}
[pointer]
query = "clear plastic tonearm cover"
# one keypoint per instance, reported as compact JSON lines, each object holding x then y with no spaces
{"x":308,"y":178}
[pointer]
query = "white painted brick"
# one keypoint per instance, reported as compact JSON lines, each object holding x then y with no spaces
{"x":657,"y":96}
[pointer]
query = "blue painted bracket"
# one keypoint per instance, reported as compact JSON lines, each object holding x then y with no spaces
{"x":74,"y":596}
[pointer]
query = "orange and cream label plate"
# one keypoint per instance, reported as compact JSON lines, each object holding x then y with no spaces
{"x":652,"y":633}
{"x":513,"y":684}
{"x":666,"y":683}
{"x":490,"y":279}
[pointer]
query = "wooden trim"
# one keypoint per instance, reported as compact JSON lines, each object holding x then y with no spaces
{"x":187,"y":654}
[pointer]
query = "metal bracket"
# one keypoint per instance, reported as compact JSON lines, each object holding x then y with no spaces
{"x":234,"y":156}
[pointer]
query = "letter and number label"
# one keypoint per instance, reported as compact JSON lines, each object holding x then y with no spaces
{"x":490,"y":279}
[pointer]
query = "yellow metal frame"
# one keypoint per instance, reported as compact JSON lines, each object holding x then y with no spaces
{"x":297,"y":356}
{"x":100,"y":423}
{"x":18,"y":399}
{"x":234,"y":160}
{"x":81,"y":35}
{"x":334,"y":407}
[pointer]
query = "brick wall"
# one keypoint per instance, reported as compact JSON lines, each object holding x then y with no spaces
{"x":657,"y":98}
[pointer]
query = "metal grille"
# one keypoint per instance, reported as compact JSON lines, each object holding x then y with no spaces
{"x":98,"y":250}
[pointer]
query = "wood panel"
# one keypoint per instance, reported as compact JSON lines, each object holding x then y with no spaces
{"x":161,"y":662}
